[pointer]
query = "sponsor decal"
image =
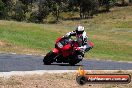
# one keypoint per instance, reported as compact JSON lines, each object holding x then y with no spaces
{"x":83,"y":78}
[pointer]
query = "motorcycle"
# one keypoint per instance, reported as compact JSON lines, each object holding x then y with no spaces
{"x":66,"y":51}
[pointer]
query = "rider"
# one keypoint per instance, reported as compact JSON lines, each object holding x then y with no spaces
{"x":81,"y":38}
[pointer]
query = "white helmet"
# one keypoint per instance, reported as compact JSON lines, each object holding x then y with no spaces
{"x":80,"y":30}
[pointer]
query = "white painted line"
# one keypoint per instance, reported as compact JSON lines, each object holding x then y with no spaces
{"x":41,"y":72}
{"x":42,"y":55}
{"x":13,"y":53}
{"x":29,"y":54}
{"x":110,"y":60}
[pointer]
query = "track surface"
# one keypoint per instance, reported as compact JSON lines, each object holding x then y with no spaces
{"x":10,"y":62}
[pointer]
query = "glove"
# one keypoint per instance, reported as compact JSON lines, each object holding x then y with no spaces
{"x":64,"y":37}
{"x":67,"y":35}
{"x":76,"y":48}
{"x":80,"y":49}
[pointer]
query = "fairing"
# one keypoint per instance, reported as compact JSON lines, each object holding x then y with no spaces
{"x":55,"y":50}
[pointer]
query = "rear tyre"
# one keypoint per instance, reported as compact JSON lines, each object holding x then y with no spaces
{"x":49,"y":58}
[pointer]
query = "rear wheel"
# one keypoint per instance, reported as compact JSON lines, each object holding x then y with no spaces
{"x":49,"y":58}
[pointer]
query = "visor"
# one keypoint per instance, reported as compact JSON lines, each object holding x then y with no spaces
{"x":79,"y":32}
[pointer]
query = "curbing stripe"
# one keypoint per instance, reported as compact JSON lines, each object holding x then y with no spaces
{"x":38,"y":72}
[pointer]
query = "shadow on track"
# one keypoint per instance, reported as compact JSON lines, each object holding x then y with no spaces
{"x":61,"y":64}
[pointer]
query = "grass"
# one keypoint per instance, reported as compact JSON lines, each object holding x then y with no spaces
{"x":31,"y":36}
{"x":111,"y":33}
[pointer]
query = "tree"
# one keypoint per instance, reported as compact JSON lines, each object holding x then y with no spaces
{"x":7,"y":8}
{"x":72,"y":5}
{"x":51,"y":6}
{"x":2,"y":10}
{"x":56,"y":7}
{"x":43,"y":10}
{"x":107,"y":4}
{"x":86,"y":7}
{"x":26,"y":4}
{"x":19,"y":11}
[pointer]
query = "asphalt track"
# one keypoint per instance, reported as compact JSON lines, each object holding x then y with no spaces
{"x":10,"y":62}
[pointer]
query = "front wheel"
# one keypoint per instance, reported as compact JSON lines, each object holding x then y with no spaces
{"x":49,"y":58}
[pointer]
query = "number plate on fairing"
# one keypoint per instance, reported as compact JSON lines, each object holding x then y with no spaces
{"x":59,"y":45}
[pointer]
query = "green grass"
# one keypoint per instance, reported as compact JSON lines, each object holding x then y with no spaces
{"x":111,"y":33}
{"x":27,"y":35}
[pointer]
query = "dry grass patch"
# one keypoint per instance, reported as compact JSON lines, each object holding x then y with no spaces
{"x":8,"y":47}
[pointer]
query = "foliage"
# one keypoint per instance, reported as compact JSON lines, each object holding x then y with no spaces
{"x":1,"y":9}
{"x":18,"y":9}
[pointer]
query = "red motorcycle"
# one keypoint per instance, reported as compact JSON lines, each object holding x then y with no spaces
{"x":66,"y":51}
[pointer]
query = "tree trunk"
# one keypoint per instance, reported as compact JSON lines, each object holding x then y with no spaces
{"x":57,"y":15}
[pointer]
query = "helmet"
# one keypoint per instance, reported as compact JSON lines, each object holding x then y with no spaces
{"x":79,"y":29}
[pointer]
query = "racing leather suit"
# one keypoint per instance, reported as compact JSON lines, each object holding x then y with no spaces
{"x":81,"y":39}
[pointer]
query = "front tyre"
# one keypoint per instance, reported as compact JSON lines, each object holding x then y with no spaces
{"x":49,"y":58}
